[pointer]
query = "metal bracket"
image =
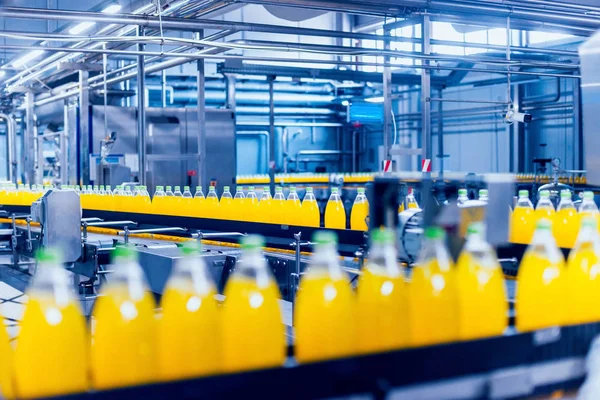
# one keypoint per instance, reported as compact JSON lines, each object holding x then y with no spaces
{"x":199,"y":235}
{"x":297,"y":244}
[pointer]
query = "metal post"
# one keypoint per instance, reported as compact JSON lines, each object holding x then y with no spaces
{"x":577,"y":127}
{"x":28,"y":156}
{"x":387,"y":99}
{"x":200,"y":80}
{"x":84,"y":127}
{"x":426,"y":92}
{"x":163,"y":87}
{"x":272,"y":162}
{"x":440,"y":133}
{"x":230,"y":95}
{"x":141,"y":121}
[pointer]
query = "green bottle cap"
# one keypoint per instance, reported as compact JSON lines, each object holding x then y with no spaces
{"x":544,"y":224}
{"x":191,"y":248}
{"x":278,"y":189}
{"x":48,"y":255}
{"x":483,"y":192}
{"x":211,"y":188}
{"x":226,"y":188}
{"x":293,"y":189}
{"x":382,"y":236}
{"x":324,"y":237}
{"x":186,"y":188}
{"x":361,"y":190}
{"x":588,"y":195}
{"x":198,"y":188}
{"x":266,"y":188}
{"x":565,"y":194}
{"x":178,"y":188}
{"x":309,"y":190}
{"x":434,"y":232}
{"x":169,"y":187}
{"x":545,"y":194}
{"x":589,"y":222}
{"x":462,"y":192}
{"x":523,"y":193}
{"x":251,"y":188}
{"x":252,"y":242}
{"x":334,"y":190}
{"x":475,"y":228}
{"x":159,"y":188}
{"x":125,"y":253}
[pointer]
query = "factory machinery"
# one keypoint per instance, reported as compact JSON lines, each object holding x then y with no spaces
{"x":480,"y":369}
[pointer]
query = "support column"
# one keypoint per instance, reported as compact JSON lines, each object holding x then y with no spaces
{"x":201,"y":99}
{"x":28,"y":155}
{"x":440,"y":132}
{"x":230,"y":95}
{"x":272,"y":162}
{"x":141,"y":112}
{"x":84,"y":128}
{"x":426,"y":92}
{"x":387,"y":99}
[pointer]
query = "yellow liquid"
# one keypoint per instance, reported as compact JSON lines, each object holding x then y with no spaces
{"x":263,"y":211}
{"x":566,"y":227}
{"x":483,"y":307}
{"x":185,"y":206}
{"x":51,"y":356}
{"x":250,"y":212}
{"x":547,"y":213}
{"x":522,"y":225}
{"x":294,"y":212}
{"x":239,"y":209}
{"x":311,"y":215}
{"x":539,"y":300}
{"x":159,"y":205}
{"x":212,"y":208}
{"x":583,"y":286}
{"x":382,"y":312}
{"x":226,"y":208}
{"x":433,"y":305}
{"x":358,"y":216}
{"x":335,"y":215}
{"x":278,"y":210}
{"x":6,"y":366}
{"x":188,"y":334}
{"x":253,"y":333}
{"x":124,"y":339}
{"x":323,"y":318}
{"x":172,"y":205}
{"x":412,"y":205}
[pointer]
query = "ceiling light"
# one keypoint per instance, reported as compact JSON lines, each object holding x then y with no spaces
{"x":19,"y":62}
{"x":378,"y":99}
{"x":345,"y":103}
{"x":112,"y":9}
{"x":77,"y":29}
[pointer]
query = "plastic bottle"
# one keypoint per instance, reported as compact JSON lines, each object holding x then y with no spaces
{"x":177,"y":192}
{"x":213,"y":207}
{"x":252,"y":326}
{"x":583,"y":274}
{"x":544,"y":207}
{"x":335,"y":215}
{"x":483,"y":305}
{"x":483,"y":195}
{"x":588,"y":207}
{"x":239,"y":205}
{"x":323,"y":316}
{"x":123,"y":349}
{"x":311,"y":215}
{"x":158,"y":201}
{"x":523,"y":220}
{"x":188,"y":331}
{"x":186,"y":193}
{"x":539,"y":299}
{"x":51,"y":356}
{"x":127,"y":200}
{"x":462,"y":196}
{"x":198,"y":206}
{"x":278,"y":207}
{"x":566,"y":221}
{"x":251,"y":205}
{"x":169,"y":192}
{"x":360,"y":211}
{"x":382,"y":309}
{"x":293,"y":207}
{"x":263,"y":210}
{"x":199,"y":193}
{"x":433,"y":302}
{"x":411,"y":202}
{"x":226,"y":204}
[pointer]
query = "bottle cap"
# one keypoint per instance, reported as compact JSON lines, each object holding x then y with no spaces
{"x":198,"y":188}
{"x":545,"y":194}
{"x":544,"y":224}
{"x":48,"y":255}
{"x":292,"y":188}
{"x":252,"y":242}
{"x":361,"y":190}
{"x":186,"y":188}
{"x":124,"y":252}
{"x":523,"y":193}
{"x":588,"y":195}
{"x":334,"y":190}
{"x":475,"y":228}
{"x":309,"y":190}
{"x":382,"y":236}
{"x":211,"y":188}
{"x":101,"y":187}
{"x":178,"y":188}
{"x":434,"y":232}
{"x":226,"y":188}
{"x":483,"y":192}
{"x":169,"y":187}
{"x":324,"y":237}
{"x":462,"y":192}
{"x":266,"y":188}
{"x":159,"y":188}
{"x":251,"y":188}
{"x":279,"y":189}
{"x":565,"y":194}
{"x":589,"y":222}
{"x":190,"y":248}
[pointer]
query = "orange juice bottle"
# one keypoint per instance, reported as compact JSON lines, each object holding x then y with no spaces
{"x":483,"y":195}
{"x":381,"y":306}
{"x":226,"y":204}
{"x":251,"y":205}
{"x":188,"y":331}
{"x":359,"y":212}
{"x":294,"y":207}
{"x":239,"y":205}
{"x":566,"y":221}
{"x":411,"y":202}
{"x":278,"y":207}
{"x":212,"y":204}
{"x":123,"y":351}
{"x":544,"y":207}
{"x":7,"y":366}
{"x":311,"y":215}
{"x":323,"y":314}
{"x":51,"y":356}
{"x":463,"y":196}
{"x":127,"y":200}
{"x":185,"y":202}
{"x":253,"y":334}
{"x":197,"y":204}
{"x":483,"y":305}
{"x":335,"y":215}
{"x":583,"y":274}
{"x":541,"y":286}
{"x":158,"y":201}
{"x":523,"y":220}
{"x":263,"y":210}
{"x":433,"y":303}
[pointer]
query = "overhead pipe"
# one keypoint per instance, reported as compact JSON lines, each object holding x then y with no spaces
{"x":11,"y":147}
{"x":535,"y":100}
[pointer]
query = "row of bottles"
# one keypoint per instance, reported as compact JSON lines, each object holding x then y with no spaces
{"x":307,"y":177}
{"x":565,"y":219}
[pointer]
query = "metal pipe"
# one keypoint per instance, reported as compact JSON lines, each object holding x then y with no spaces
{"x":387,"y":101}
{"x":11,"y":149}
{"x":272,"y":162}
{"x":141,"y":117}
{"x":426,"y":94}
{"x":28,"y":143}
{"x":534,"y":100}
{"x":201,"y":109}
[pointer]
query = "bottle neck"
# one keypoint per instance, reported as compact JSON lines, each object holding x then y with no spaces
{"x":385,"y":256}
{"x":325,"y":261}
